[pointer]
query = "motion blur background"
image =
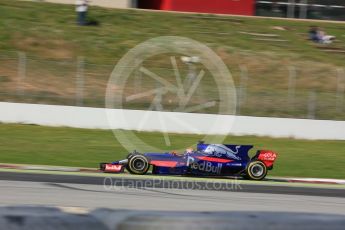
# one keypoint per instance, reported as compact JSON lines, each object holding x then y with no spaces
{"x":311,"y":9}
{"x":47,"y":58}
{"x":278,"y":72}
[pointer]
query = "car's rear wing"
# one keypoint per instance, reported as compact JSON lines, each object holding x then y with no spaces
{"x":266,"y":156}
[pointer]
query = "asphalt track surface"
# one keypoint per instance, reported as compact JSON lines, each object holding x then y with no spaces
{"x":95,"y":196}
{"x":90,"y":192}
{"x":183,"y":184}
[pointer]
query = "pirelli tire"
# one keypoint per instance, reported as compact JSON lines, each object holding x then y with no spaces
{"x":256,"y":170}
{"x":138,"y":164}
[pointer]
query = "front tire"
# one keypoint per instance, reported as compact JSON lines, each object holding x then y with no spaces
{"x":138,"y":164}
{"x":256,"y":170}
{"x":102,"y":166}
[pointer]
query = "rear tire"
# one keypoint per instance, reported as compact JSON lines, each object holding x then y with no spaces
{"x":138,"y":164}
{"x":256,"y":170}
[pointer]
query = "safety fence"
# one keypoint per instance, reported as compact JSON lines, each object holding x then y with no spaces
{"x":273,"y":90}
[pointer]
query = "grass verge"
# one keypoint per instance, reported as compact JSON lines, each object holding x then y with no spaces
{"x":30,"y":144}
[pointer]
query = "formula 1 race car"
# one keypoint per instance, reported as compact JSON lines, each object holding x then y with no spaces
{"x":206,"y":160}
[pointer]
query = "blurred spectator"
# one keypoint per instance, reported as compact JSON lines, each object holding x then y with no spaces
{"x":81,"y":8}
{"x":320,"y":36}
{"x":325,"y":38}
{"x":313,"y":34}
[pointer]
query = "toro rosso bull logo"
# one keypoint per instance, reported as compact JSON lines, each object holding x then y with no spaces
{"x":221,"y":150}
{"x":204,"y":166}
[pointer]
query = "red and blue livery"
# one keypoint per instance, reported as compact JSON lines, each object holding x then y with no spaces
{"x":206,"y":160}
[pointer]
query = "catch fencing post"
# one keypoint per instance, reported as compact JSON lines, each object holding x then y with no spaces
{"x":242,"y":92}
{"x":292,"y":86}
{"x":303,"y":9}
{"x":340,"y":89}
{"x":80,"y":81}
{"x":312,"y":105}
{"x":291,"y":9}
{"x":138,"y":76}
{"x":21,"y":73}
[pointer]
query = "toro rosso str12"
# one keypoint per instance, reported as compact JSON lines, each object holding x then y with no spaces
{"x":206,"y":160}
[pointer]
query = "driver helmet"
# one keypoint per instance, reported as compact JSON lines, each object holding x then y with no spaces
{"x":189,"y":150}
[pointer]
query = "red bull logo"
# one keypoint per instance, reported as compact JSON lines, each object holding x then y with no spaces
{"x":204,"y":166}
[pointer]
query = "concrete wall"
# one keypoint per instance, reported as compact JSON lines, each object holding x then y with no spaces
{"x":82,"y":117}
{"x":103,"y":3}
